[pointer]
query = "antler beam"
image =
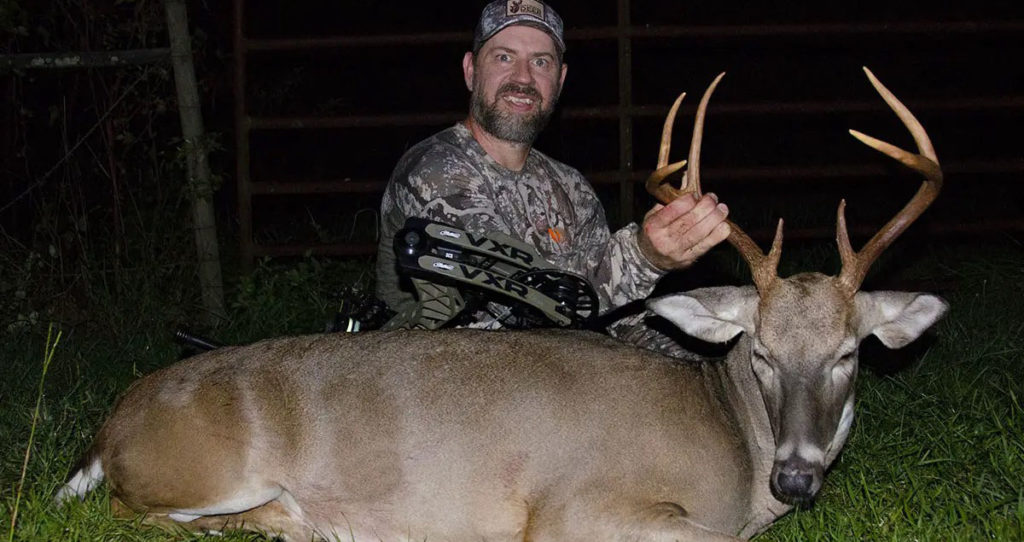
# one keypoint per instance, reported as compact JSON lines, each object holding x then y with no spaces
{"x":856,"y":264}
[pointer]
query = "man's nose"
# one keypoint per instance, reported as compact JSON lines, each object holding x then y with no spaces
{"x":521,"y":72}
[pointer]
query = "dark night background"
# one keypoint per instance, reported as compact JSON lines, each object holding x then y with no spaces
{"x":775,"y":142}
{"x":793,"y":88}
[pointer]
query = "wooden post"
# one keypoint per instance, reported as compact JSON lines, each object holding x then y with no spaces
{"x":200,"y":187}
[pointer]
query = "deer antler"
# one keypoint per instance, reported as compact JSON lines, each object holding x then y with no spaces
{"x":763,"y":267}
{"x":656,"y":184}
{"x":856,"y":264}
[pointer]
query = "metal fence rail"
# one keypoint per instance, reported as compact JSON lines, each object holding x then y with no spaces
{"x":625,"y":113}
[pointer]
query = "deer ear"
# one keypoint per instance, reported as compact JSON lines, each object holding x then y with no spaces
{"x":711,"y":314}
{"x":897,"y":318}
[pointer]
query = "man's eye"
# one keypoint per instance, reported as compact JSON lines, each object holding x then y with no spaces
{"x":540,"y":62}
{"x":504,"y":57}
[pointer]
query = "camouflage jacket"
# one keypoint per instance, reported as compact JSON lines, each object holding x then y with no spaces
{"x":450,"y":178}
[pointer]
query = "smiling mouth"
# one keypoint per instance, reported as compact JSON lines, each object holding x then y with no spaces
{"x":518,"y":96}
{"x":519,"y":100}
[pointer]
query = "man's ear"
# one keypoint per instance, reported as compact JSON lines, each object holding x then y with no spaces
{"x":561,"y":81}
{"x":467,"y":70}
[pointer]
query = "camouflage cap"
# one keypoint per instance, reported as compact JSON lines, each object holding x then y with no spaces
{"x":501,"y":14}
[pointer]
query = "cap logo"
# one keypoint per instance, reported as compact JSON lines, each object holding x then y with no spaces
{"x":524,"y":7}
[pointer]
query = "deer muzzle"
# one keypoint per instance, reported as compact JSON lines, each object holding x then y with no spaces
{"x":797,"y":480}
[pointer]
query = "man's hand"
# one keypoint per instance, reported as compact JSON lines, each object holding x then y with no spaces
{"x":673,"y":236}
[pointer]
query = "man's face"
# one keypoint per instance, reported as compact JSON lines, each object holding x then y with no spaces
{"x":515,"y":81}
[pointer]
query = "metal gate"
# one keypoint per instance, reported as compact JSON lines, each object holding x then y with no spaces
{"x":641,"y":88}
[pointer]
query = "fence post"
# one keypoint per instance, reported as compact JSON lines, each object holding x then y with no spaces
{"x":200,"y":186}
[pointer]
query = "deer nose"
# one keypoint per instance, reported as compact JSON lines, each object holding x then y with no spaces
{"x":796,"y":483}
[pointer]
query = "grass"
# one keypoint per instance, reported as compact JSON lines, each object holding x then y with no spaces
{"x":51,"y":349}
{"x":936,"y":453}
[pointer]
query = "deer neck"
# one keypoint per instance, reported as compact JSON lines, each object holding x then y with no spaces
{"x":743,"y":397}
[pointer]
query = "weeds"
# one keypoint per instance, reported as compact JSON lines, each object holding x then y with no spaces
{"x":51,"y":349}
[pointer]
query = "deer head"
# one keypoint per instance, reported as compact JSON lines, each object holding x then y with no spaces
{"x":804,"y":331}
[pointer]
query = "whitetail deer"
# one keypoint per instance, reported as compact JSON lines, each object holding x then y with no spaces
{"x":521,"y":436}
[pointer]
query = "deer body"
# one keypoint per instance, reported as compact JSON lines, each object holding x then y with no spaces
{"x":452,"y":435}
{"x":470,"y":435}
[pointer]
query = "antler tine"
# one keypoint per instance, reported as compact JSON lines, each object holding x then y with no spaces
{"x":656,"y":185}
{"x":666,"y":131}
{"x":762,"y":267}
{"x":691,"y":179}
{"x":856,"y":264}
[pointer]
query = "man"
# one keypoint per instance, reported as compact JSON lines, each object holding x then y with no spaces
{"x":483,"y":174}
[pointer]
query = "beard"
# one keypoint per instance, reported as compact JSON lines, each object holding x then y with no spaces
{"x":522,"y":129}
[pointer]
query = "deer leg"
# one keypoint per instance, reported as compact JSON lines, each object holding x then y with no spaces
{"x":583,"y":521}
{"x":666,"y":521}
{"x":272,"y":519}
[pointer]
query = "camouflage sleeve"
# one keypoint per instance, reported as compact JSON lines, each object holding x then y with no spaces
{"x":611,"y":261}
{"x":435,"y":187}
